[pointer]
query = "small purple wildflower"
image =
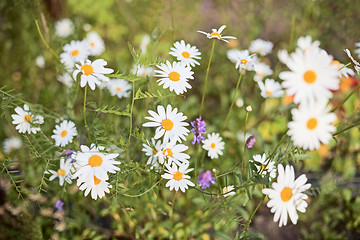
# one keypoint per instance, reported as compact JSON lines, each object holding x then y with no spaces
{"x":205,"y":179}
{"x":198,"y":129}
{"x":69,"y":155}
{"x":250,"y":141}
{"x":59,"y":205}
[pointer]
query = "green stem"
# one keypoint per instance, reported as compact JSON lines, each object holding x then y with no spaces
{"x":244,"y":162}
{"x":345,"y":129}
{"x":84,"y":109}
{"x":342,"y":103}
{"x":206,"y":78}
{"x":44,"y":41}
{"x":131,"y":119}
{"x":252,"y":215}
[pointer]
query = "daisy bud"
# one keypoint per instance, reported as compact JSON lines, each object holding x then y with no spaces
{"x":249,"y":109}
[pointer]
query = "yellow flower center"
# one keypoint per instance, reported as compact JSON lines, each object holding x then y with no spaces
{"x":61,"y":172}
{"x":185,"y":54}
{"x":87,"y":69}
{"x":178,"y":176}
{"x":168,"y":152}
{"x":92,"y":44}
{"x":95,"y":161}
{"x":28,"y":118}
{"x":96,"y":180}
{"x":174,"y":76}
{"x":155,"y":151}
{"x":311,"y":123}
{"x":263,"y":168}
{"x":167,"y":124}
{"x":337,"y":63}
{"x":118,"y":89}
{"x":286,"y":194}
{"x":244,"y":61}
{"x":63,"y":133}
{"x":226,"y":190}
{"x":212,"y":145}
{"x":309,"y":76}
{"x":215,"y":34}
{"x":75,"y":53}
{"x":268,"y":93}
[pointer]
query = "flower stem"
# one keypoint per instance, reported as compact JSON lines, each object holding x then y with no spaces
{"x":45,"y":43}
{"x":251,"y":216}
{"x":244,"y":163}
{"x":84,"y":109}
{"x":131,"y":119}
{"x":342,"y":103}
{"x":206,"y":78}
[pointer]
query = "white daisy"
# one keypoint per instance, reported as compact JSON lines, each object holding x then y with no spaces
{"x":63,"y":173}
{"x":40,"y":61}
{"x":65,"y":79}
{"x":343,"y":71}
{"x":261,"y":46}
{"x":92,"y":73}
{"x":75,"y":51}
{"x":270,"y":88}
{"x":232,"y":54}
{"x":174,"y":76}
{"x":151,"y":150}
{"x":169,"y":123}
{"x":283,"y":56}
{"x":25,"y":120}
{"x":142,"y":71}
{"x":311,"y":125}
{"x":178,"y":177}
{"x":11,"y":144}
{"x":119,"y":87}
{"x":144,"y":43}
{"x":64,"y":133}
{"x":94,"y":43}
{"x":64,"y":27}
{"x":91,"y":162}
{"x":214,"y":145}
{"x":227,"y":191}
{"x":287,"y":195}
{"x":356,"y":63}
{"x":306,"y":43}
{"x":186,"y":53}
{"x":97,"y":187}
{"x":357,"y":51}
{"x":245,"y":61}
{"x":173,"y":153}
{"x":311,"y":76}
{"x":262,"y":70}
{"x":217,"y":34}
{"x":261,"y":162}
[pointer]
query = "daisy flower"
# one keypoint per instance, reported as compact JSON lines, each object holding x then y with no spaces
{"x":287,"y":195}
{"x":311,"y":125}
{"x":306,"y":43}
{"x":91,"y":162}
{"x":177,"y":177}
{"x":24,"y":120}
{"x":217,"y":34}
{"x":261,"y":162}
{"x":169,"y":124}
{"x":186,"y":53}
{"x":142,"y":71}
{"x":64,"y":133}
{"x":174,"y":76}
{"x":92,"y":73}
{"x":214,"y":145}
{"x":173,"y":153}
{"x":227,"y":191}
{"x":311,"y":76}
{"x":261,"y":46}
{"x":343,"y":70}
{"x":63,"y":173}
{"x":119,"y":87}
{"x":65,"y":79}
{"x":11,"y":144}
{"x":356,"y":63}
{"x":75,"y":51}
{"x":64,"y":27}
{"x":262,"y":70}
{"x":283,"y":56}
{"x":151,"y":150}
{"x":94,"y":43}
{"x":245,"y":61}
{"x":97,"y":187}
{"x":270,"y":88}
{"x":232,"y":54}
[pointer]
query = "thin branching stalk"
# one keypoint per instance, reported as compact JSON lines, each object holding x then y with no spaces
{"x":131,"y":119}
{"x":345,"y":129}
{"x":45,"y":43}
{"x":143,"y":193}
{"x":252,"y":215}
{"x":84,"y":109}
{"x":347,"y":98}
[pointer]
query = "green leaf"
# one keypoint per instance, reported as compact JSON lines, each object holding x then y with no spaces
{"x":111,"y":110}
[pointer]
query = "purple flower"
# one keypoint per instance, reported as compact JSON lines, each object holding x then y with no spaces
{"x":69,"y":155}
{"x":205,"y":179}
{"x":198,"y":129}
{"x":59,"y":205}
{"x":250,"y":141}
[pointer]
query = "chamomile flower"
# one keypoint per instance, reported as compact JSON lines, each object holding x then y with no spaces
{"x":311,"y":76}
{"x":169,"y":124}
{"x":343,"y":70}
{"x":119,"y":87}
{"x":261,"y":46}
{"x":270,"y":88}
{"x":232,"y":54}
{"x":186,"y":53}
{"x":151,"y":151}
{"x":174,"y":76}
{"x":214,"y":145}
{"x":356,"y":63}
{"x":92,"y":73}
{"x":263,"y":166}
{"x":173,"y":153}
{"x":283,"y":56}
{"x":25,"y":120}
{"x":217,"y":34}
{"x":91,"y":162}
{"x":11,"y":144}
{"x":64,"y":27}
{"x":65,"y":79}
{"x":97,"y":187}
{"x":245,"y":61}
{"x":64,"y":133}
{"x":311,"y":125}
{"x":262,"y":70}
{"x":142,"y":71}
{"x":228,"y":191}
{"x":95,"y":44}
{"x":177,"y":177}
{"x":75,"y":51}
{"x":306,"y":43}
{"x":63,"y":173}
{"x":286,"y":195}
